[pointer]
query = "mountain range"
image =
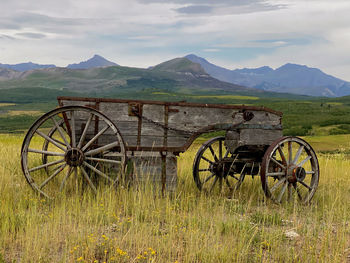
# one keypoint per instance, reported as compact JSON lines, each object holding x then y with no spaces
{"x":94,"y":62}
{"x":190,"y":72}
{"x":289,"y":78}
{"x":179,"y":77}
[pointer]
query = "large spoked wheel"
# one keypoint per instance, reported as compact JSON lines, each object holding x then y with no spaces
{"x":213,"y":168}
{"x":290,"y":170}
{"x":70,"y":147}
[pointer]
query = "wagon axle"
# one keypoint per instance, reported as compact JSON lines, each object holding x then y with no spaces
{"x":221,"y":168}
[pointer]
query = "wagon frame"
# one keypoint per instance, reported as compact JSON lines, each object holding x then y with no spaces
{"x":90,"y":134}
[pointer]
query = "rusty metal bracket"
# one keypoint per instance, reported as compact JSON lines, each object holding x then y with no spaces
{"x":134,"y":109}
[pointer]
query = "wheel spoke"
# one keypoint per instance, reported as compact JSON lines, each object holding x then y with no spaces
{"x":304,"y":184}
{"x":212,"y":186}
{"x":95,"y":138}
{"x":45,"y":165}
{"x":98,"y":171}
{"x":282,"y":192}
{"x":57,"y":171}
{"x":226,"y":153}
{"x":208,"y":178}
{"x":50,"y":140}
{"x":203,"y":170}
{"x":310,"y":172}
{"x":278,"y":163}
{"x":220,"y":150}
{"x":103,"y":160}
{"x":233,"y":176}
{"x":233,"y":162}
{"x":206,"y":159}
{"x":303,"y":161}
{"x":59,"y":142}
{"x":213,"y":153}
{"x":82,"y":138}
{"x":273,"y":188}
{"x":73,"y":129}
{"x":60,"y":132}
{"x":290,"y":152}
{"x":69,"y":172}
{"x":298,"y":191}
{"x":283,"y":157}
{"x":88,"y":179}
{"x":276,"y":174}
{"x":297,"y":155}
{"x":102,"y":148}
{"x":45,"y":152}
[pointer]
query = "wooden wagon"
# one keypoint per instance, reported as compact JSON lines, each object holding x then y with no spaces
{"x":114,"y":140}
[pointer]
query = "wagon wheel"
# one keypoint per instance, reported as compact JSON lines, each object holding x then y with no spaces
{"x":213,"y":168}
{"x":289,"y":168}
{"x":64,"y":148}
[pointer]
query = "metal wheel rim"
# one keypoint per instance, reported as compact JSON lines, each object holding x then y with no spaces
{"x":289,"y":183}
{"x":214,"y":177}
{"x":64,"y":110}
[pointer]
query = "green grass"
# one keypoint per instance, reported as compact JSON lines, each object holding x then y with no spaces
{"x":139,"y":225}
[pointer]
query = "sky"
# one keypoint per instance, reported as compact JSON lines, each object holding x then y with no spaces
{"x":143,"y":33}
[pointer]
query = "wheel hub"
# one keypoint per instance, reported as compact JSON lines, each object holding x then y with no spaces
{"x":74,"y":157}
{"x":296,"y":174}
{"x":220,"y":168}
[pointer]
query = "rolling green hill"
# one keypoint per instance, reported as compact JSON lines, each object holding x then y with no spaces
{"x":175,"y":76}
{"x":35,"y":92}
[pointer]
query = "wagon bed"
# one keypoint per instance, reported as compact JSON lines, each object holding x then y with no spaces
{"x":173,"y":126}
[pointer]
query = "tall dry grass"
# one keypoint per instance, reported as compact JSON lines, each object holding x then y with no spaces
{"x":139,"y":225}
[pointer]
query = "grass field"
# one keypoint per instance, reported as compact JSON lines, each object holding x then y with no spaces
{"x":138,"y":225}
{"x":305,"y":116}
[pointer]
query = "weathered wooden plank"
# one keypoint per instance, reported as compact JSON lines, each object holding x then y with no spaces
{"x":259,"y":136}
{"x":154,"y":112}
{"x":146,"y":140}
{"x":117,"y":111}
{"x":192,"y":118}
{"x":253,"y":137}
{"x":148,"y":168}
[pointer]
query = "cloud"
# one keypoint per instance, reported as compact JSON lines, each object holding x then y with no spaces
{"x":211,"y":50}
{"x":195,"y":9}
{"x":31,"y":35}
{"x":145,"y":32}
{"x":6,"y":37}
{"x":219,"y":7}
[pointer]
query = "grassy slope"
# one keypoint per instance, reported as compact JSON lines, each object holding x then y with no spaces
{"x":302,"y":115}
{"x":140,"y":226}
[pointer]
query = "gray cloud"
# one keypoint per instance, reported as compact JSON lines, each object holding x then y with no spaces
{"x":204,"y":2}
{"x":31,"y":35}
{"x":195,"y":9}
{"x":219,"y":7}
{"x":6,"y":37}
